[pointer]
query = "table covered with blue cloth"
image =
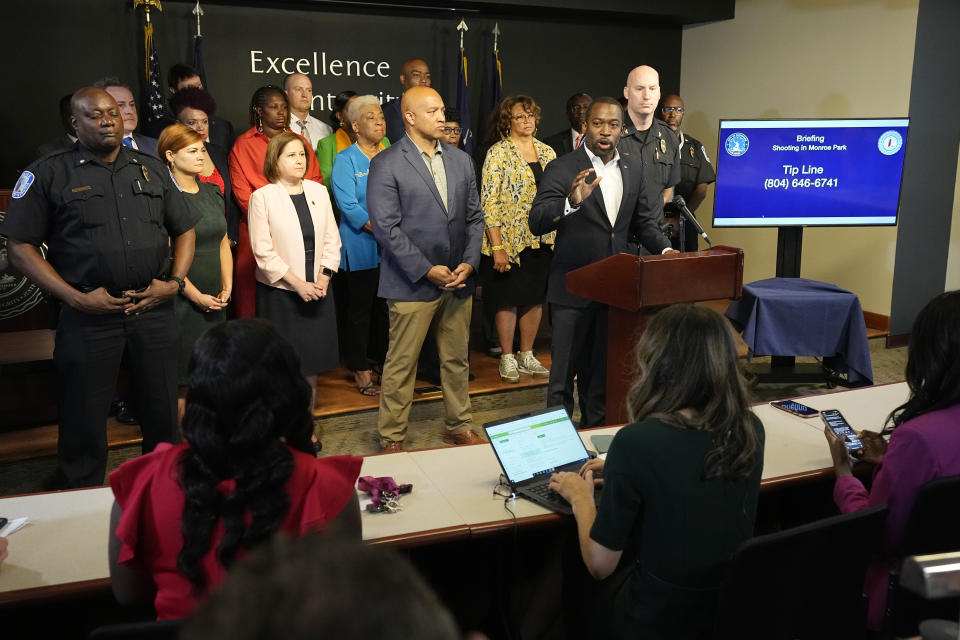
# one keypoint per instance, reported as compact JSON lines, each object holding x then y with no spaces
{"x":800,"y":317}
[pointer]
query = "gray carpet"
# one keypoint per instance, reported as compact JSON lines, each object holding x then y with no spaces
{"x":356,"y":433}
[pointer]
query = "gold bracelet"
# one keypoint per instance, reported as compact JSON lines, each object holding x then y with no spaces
{"x":498,"y":247}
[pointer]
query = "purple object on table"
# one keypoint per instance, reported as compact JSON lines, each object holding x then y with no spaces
{"x":800,"y":317}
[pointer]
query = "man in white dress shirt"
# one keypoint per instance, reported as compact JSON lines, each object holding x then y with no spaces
{"x":594,"y":198}
{"x":128,"y":111}
{"x":299,"y":92}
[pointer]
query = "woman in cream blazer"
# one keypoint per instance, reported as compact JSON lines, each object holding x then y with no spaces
{"x":297,"y":248}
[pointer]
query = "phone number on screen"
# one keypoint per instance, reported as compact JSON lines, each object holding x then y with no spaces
{"x":801,"y":183}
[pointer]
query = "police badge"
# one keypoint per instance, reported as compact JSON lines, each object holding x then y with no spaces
{"x":663,"y":145}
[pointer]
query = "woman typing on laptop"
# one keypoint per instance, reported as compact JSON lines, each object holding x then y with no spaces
{"x":680,"y":483}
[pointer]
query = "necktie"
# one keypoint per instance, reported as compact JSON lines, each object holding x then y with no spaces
{"x":304,"y":132}
{"x":127,"y":141}
{"x":579,"y":142}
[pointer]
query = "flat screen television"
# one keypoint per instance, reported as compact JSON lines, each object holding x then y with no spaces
{"x":805,"y":173}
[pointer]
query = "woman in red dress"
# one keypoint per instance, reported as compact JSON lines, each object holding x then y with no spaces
{"x":269,"y":116}
{"x":184,"y":513}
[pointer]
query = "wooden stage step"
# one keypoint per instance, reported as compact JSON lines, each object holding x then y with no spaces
{"x":336,"y":392}
{"x":336,"y":395}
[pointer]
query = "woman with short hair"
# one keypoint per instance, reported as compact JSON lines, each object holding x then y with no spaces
{"x":194,"y":107}
{"x":365,"y":325}
{"x":208,"y":285}
{"x":296,"y":245}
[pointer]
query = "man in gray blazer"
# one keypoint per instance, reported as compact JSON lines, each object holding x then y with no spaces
{"x":425,"y":214}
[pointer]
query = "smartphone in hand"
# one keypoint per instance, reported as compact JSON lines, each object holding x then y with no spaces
{"x":842,"y":429}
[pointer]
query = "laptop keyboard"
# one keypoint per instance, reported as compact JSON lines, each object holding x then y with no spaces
{"x":544,"y":491}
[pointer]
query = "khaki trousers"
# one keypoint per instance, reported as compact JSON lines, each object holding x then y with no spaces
{"x":409,"y":322}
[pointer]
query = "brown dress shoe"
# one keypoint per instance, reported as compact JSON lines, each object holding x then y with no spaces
{"x":466,"y":437}
{"x":390,"y":446}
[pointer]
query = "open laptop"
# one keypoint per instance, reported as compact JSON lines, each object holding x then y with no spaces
{"x":532,"y":446}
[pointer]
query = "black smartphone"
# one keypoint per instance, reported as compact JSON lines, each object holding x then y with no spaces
{"x":797,"y":409}
{"x":842,"y":429}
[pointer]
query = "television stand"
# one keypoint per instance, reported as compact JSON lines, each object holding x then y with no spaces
{"x":785,"y":368}
{"x":789,"y":251}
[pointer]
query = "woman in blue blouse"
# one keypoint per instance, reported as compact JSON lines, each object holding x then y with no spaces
{"x":365,"y":328}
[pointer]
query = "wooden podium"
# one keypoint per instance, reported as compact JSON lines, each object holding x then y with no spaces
{"x":633,"y":287}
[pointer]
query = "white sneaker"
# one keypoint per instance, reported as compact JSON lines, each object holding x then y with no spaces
{"x":527,"y":363}
{"x":508,"y":368}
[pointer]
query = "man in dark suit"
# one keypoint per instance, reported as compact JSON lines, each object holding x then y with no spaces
{"x":414,"y":73}
{"x":563,"y":141}
{"x":425,"y":212}
{"x":591,"y":224}
{"x":67,"y":139}
{"x":128,"y":111}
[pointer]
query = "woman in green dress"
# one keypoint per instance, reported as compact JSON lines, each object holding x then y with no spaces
{"x":207,"y":287}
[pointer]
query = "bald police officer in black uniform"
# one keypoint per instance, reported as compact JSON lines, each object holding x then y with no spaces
{"x":650,"y":139}
{"x":107,"y":214}
{"x":696,"y":172}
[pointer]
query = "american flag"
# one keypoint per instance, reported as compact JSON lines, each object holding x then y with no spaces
{"x":155,"y":109}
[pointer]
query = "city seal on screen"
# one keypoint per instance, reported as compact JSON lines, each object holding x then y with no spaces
{"x":736,"y":144}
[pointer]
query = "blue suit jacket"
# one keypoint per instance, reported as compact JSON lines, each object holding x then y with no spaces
{"x":146,"y":144}
{"x":413,"y":228}
{"x":586,"y":235}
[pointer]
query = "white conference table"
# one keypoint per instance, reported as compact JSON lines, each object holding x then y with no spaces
{"x":63,"y":551}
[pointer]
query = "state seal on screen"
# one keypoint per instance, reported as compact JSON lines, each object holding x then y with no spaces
{"x":736,"y":144}
{"x":890,"y":142}
{"x":17,"y":294}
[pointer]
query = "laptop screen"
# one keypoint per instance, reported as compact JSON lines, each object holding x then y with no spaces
{"x":535,"y":443}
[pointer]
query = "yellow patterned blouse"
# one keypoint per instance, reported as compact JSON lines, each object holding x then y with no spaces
{"x":507,"y":194}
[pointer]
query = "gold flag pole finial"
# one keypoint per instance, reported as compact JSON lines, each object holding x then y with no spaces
{"x":147,"y":5}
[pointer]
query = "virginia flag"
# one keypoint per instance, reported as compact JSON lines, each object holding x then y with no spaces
{"x":463,"y":106}
{"x":155,"y":109}
{"x":492,"y":87}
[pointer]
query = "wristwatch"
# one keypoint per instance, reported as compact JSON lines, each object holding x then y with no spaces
{"x":180,"y":283}
{"x":324,"y":271}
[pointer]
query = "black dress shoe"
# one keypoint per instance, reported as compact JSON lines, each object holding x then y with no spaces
{"x":124,"y":411}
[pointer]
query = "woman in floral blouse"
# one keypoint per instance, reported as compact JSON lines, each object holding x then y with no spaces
{"x":516,"y":262}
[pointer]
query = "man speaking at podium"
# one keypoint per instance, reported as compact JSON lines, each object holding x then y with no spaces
{"x":592,"y":224}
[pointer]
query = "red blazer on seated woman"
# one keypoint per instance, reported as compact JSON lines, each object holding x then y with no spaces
{"x":184,"y":514}
{"x":269,"y":116}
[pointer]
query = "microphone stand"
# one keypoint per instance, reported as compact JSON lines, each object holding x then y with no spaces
{"x":681,"y":204}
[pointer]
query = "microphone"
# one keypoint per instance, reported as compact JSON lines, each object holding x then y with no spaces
{"x":681,"y":204}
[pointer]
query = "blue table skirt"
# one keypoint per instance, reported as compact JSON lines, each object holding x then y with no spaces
{"x":800,"y":317}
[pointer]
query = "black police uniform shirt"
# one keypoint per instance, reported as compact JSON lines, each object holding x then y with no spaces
{"x":695,"y":167}
{"x":105,"y":224}
{"x":659,"y":153}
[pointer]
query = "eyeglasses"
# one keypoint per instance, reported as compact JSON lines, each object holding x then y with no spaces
{"x":578,"y":108}
{"x":449,"y":130}
{"x":524,"y":116}
{"x":672,"y":110}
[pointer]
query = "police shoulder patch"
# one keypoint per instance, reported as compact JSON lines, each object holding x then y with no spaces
{"x":23,"y":185}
